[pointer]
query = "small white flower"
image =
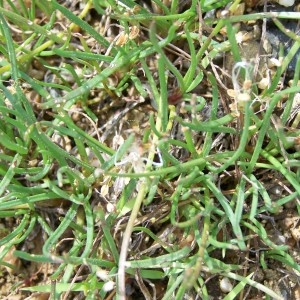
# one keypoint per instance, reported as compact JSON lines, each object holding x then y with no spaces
{"x":136,"y":158}
{"x":102,"y":274}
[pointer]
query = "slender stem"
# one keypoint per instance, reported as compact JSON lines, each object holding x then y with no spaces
{"x":126,"y":238}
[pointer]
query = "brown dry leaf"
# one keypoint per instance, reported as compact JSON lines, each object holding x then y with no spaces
{"x":38,"y":296}
{"x":11,"y":259}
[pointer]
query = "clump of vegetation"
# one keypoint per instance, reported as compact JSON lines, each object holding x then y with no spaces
{"x":148,"y":150}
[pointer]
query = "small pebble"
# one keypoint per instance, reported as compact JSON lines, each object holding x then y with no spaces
{"x":225,"y":285}
{"x":286,"y":2}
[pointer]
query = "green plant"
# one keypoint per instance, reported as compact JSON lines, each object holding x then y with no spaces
{"x":99,"y":198}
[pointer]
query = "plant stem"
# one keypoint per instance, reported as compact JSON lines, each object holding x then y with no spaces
{"x":126,"y":239}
